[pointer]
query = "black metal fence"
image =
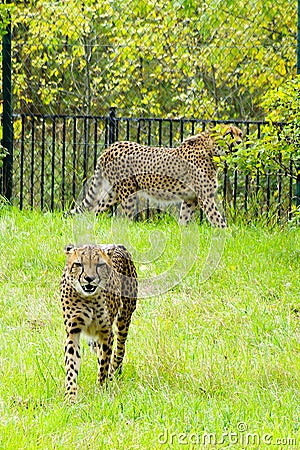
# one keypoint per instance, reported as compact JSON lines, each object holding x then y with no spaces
{"x":207,"y":60}
{"x":54,"y":156}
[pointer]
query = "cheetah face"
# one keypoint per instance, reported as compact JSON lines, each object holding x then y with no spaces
{"x":235,"y":134}
{"x":88,"y":269}
{"x":227,"y":138}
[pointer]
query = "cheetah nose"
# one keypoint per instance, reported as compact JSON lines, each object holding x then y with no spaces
{"x":89,"y":279}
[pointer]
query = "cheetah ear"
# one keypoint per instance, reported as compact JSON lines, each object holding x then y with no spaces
{"x":227,"y":130}
{"x":68,"y":249}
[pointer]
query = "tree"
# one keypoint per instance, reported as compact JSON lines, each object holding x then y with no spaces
{"x":5,"y":12}
{"x":152,"y":58}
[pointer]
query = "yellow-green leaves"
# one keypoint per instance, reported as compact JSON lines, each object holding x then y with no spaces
{"x":151,"y":57}
{"x":278,"y":147}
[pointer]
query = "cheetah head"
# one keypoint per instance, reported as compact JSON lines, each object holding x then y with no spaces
{"x":235,"y":133}
{"x":227,"y":138}
{"x":87,"y":269}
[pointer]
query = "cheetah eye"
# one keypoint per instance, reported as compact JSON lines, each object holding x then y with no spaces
{"x":77,"y":264}
{"x":100,"y":264}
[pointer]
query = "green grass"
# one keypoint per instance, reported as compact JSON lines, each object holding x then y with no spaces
{"x":203,"y":359}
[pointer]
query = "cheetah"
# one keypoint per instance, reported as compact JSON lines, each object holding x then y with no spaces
{"x":98,"y":295}
{"x":187,"y":173}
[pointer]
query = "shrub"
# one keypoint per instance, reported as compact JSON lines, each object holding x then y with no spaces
{"x":278,"y":146}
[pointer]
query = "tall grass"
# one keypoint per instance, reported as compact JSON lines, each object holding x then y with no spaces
{"x":208,"y":365}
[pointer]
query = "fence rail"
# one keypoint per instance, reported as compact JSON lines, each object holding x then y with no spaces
{"x":54,"y":155}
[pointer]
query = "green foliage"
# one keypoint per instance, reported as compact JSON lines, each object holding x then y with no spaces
{"x":5,"y":13}
{"x":152,"y":58}
{"x":283,"y":119}
{"x":279,"y":145}
{"x":3,"y":151}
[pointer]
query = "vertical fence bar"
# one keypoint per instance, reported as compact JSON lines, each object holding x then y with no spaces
{"x":95,"y":142}
{"x":74,"y":158}
{"x":127,"y":130}
{"x":22,"y":161}
{"x":149,"y":133}
{"x":193,"y":128}
{"x":235,"y":184}
{"x":43,"y":163}
{"x":32,"y":161}
{"x":268,"y":191}
{"x":225,"y":184}
{"x":279,"y":186}
{"x":246,"y":192}
{"x":138,"y":134}
{"x":85,"y":147}
{"x":117,"y":122}
{"x":257,"y":171}
{"x":112,"y":125}
{"x":160,"y":132}
{"x":171,"y":134}
{"x":53,"y":163}
{"x":7,"y":140}
{"x":106,"y":131}
{"x":63,"y":164}
{"x":257,"y":187}
{"x":290,"y":189}
{"x":181,"y":130}
{"x":297,"y":193}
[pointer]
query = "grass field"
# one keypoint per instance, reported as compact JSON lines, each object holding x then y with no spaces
{"x":208,"y":365}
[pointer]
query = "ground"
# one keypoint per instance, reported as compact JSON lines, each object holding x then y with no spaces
{"x":218,"y":360}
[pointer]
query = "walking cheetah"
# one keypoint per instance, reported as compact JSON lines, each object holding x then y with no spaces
{"x":187,"y":173}
{"x":98,"y":293}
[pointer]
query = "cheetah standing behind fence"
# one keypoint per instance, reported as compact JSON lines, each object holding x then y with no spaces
{"x":98,"y":294}
{"x":187,"y":173}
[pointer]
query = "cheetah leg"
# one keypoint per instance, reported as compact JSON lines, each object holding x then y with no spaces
{"x":104,"y":352}
{"x":214,"y":216}
{"x":129,"y":206}
{"x":186,"y":211}
{"x":123,"y":323}
{"x":72,"y":364}
{"x":106,"y":202}
{"x":205,"y":190}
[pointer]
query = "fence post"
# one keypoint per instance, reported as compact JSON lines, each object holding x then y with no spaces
{"x":297,"y":193}
{"x":7,"y":139}
{"x":112,"y":125}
